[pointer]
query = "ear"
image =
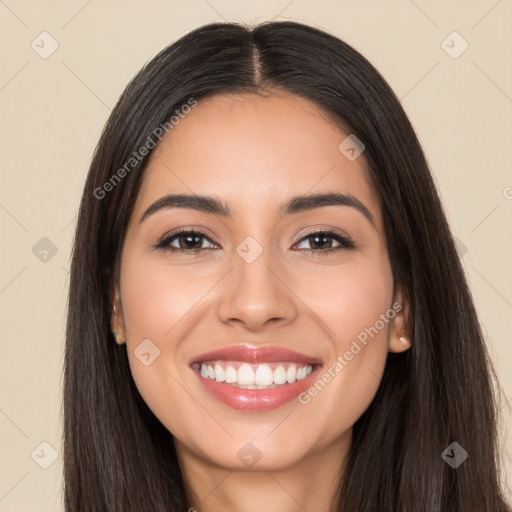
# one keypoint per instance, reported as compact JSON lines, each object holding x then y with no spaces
{"x":400,"y":330}
{"x":117,"y":319}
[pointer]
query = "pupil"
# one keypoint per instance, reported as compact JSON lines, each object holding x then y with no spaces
{"x":319,"y":237}
{"x":188,"y":239}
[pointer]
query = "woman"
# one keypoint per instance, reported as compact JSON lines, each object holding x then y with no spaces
{"x":260,"y":234}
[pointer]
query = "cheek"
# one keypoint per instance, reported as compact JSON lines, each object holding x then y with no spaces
{"x":351,"y":300}
{"x":155,"y":297}
{"x":355,"y":308}
{"x":156,"y":301}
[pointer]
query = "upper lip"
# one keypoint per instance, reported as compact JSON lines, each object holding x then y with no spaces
{"x":255,"y":355}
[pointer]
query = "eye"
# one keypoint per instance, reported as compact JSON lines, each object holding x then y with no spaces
{"x":187,"y":241}
{"x":191,"y":241}
{"x":324,"y":239}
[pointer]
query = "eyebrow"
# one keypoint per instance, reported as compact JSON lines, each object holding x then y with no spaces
{"x":297,"y":204}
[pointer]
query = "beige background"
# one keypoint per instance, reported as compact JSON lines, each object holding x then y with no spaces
{"x":52,"y":111}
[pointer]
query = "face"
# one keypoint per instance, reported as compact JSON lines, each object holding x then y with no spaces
{"x":268,"y":313}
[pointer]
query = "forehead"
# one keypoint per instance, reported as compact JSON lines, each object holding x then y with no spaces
{"x":254,"y":152}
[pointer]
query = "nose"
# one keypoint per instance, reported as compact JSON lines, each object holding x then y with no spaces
{"x":257,"y":294}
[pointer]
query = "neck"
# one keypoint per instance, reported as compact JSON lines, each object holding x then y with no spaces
{"x":311,"y":484}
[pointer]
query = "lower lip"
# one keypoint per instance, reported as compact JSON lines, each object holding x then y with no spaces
{"x":256,"y":399}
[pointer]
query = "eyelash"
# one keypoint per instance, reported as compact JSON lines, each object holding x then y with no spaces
{"x":345,"y":242}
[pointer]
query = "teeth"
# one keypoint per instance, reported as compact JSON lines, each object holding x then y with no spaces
{"x":302,"y":373}
{"x":219,"y":373}
{"x":260,"y":376}
{"x":264,"y":376}
{"x":231,"y":375}
{"x":280,"y":375}
{"x":245,"y":375}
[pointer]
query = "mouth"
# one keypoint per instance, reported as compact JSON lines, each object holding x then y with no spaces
{"x":255,"y":379}
{"x":253,"y":376}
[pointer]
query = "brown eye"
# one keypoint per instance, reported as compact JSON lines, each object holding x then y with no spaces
{"x":322,"y":242}
{"x":187,"y":241}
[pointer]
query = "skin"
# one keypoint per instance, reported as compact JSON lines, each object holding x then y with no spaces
{"x":254,"y":154}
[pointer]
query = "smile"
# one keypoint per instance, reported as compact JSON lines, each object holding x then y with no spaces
{"x":254,"y":376}
{"x":255,"y":379}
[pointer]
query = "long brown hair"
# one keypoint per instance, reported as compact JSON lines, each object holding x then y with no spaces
{"x":118,"y":457}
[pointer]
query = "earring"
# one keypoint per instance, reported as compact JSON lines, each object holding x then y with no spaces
{"x":116,"y":334}
{"x":117,"y":337}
